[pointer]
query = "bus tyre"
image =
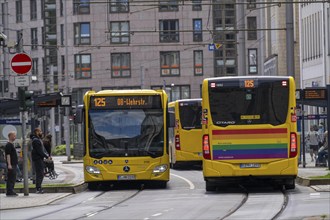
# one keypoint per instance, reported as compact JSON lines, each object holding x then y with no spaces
{"x":161,"y":184}
{"x":210,"y":187}
{"x":290,"y":184}
{"x":92,"y":186}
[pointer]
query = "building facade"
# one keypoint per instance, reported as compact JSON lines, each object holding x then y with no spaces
{"x":315,"y":44}
{"x":79,"y":45}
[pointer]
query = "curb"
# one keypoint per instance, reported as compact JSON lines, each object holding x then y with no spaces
{"x":80,"y":187}
{"x":310,"y":182}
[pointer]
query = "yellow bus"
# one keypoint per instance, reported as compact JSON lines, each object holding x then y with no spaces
{"x":185,"y":136}
{"x":125,"y":133}
{"x":249,"y":130}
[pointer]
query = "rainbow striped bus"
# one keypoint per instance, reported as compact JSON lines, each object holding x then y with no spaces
{"x":249,"y":130}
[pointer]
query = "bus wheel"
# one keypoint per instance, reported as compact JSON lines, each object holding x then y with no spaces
{"x":210,"y":187}
{"x":290,"y":184}
{"x":160,"y":184}
{"x":93,"y":186}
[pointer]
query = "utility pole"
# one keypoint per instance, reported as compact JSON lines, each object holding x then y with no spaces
{"x":289,"y":39}
{"x":142,"y":76}
{"x":21,"y":92}
{"x":67,"y":90}
{"x":5,"y":53}
{"x":52,"y":110}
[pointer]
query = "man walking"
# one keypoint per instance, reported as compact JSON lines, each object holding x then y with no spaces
{"x":12,"y":162}
{"x":38,"y":155}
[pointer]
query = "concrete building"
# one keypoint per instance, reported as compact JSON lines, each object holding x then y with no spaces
{"x":315,"y":44}
{"x":262,"y":46}
{"x":111,"y":45}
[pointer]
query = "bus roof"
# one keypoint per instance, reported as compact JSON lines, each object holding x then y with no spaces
{"x":248,"y":77}
{"x":187,"y":100}
{"x":126,"y":91}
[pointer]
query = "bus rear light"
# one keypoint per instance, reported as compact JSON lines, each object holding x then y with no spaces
{"x":293,"y":145}
{"x":177,"y":142}
{"x":206,"y":147}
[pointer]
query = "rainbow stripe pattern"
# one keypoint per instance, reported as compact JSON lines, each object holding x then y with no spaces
{"x":271,"y":143}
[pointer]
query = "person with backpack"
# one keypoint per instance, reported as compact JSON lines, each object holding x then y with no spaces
{"x":38,"y":155}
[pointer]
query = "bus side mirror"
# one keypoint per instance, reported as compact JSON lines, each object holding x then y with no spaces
{"x":78,"y":118}
{"x":172,"y":120}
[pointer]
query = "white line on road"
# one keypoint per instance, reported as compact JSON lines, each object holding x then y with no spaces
{"x":191,"y":185}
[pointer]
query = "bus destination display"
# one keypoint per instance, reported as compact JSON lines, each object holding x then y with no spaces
{"x":125,"y":102}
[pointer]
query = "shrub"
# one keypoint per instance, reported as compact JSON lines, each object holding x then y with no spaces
{"x":60,"y":150}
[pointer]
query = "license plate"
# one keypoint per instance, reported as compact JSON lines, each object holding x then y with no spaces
{"x":250,"y":165}
{"x":126,"y":177}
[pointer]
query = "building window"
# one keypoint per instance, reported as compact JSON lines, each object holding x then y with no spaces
{"x":170,"y":63}
{"x":196,"y":5}
{"x":253,"y":61}
{"x":198,"y":62}
{"x":61,"y":8}
{"x":120,"y":65}
{"x":168,"y":5}
{"x":63,"y":67}
{"x":42,"y":8}
{"x":120,"y":32}
{"x":34,"y":70}
{"x":34,"y":38}
{"x":62,"y":34}
{"x":81,"y":7}
{"x":175,"y":92}
{"x":83,"y":66}
{"x":198,"y":33}
{"x":33,"y":9}
{"x":252,"y":28}
{"x":19,"y":35}
{"x":252,"y":4}
{"x":82,"y":33}
{"x":169,"y":31}
{"x":119,"y":6}
{"x":19,"y":11}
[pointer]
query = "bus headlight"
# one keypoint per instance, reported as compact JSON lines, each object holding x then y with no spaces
{"x":160,"y":169}
{"x":92,"y":170}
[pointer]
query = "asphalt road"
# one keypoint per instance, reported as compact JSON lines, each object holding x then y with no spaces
{"x":184,"y":198}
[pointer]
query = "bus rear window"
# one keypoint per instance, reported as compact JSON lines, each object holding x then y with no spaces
{"x":266,"y":103}
{"x":190,"y":116}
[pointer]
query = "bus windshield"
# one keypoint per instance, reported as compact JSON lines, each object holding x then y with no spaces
{"x":129,"y":132}
{"x":190,"y":116}
{"x":266,"y":103}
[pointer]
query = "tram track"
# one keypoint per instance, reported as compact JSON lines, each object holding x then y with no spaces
{"x":104,"y":207}
{"x":271,"y":205}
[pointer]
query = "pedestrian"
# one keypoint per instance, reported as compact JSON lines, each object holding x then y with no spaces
{"x":314,"y":140}
{"x":31,"y":165}
{"x":38,"y":155}
{"x":3,"y":165}
{"x":12,"y":162}
{"x":321,"y":160}
{"x":47,"y":141}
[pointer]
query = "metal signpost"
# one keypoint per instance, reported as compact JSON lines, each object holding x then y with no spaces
{"x":21,"y":64}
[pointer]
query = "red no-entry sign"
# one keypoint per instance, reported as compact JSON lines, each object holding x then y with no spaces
{"x":21,"y":63}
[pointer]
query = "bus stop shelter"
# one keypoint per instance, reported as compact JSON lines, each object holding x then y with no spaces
{"x":317,"y":97}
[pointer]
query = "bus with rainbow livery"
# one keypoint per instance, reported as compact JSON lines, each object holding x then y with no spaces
{"x":249,"y":128}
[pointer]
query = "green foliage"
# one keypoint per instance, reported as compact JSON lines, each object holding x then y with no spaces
{"x":60,"y":150}
{"x":321,"y":177}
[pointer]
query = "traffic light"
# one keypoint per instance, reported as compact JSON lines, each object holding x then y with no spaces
{"x":25,"y":98}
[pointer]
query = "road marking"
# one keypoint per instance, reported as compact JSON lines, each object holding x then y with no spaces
{"x":191,"y":185}
{"x":157,"y":214}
